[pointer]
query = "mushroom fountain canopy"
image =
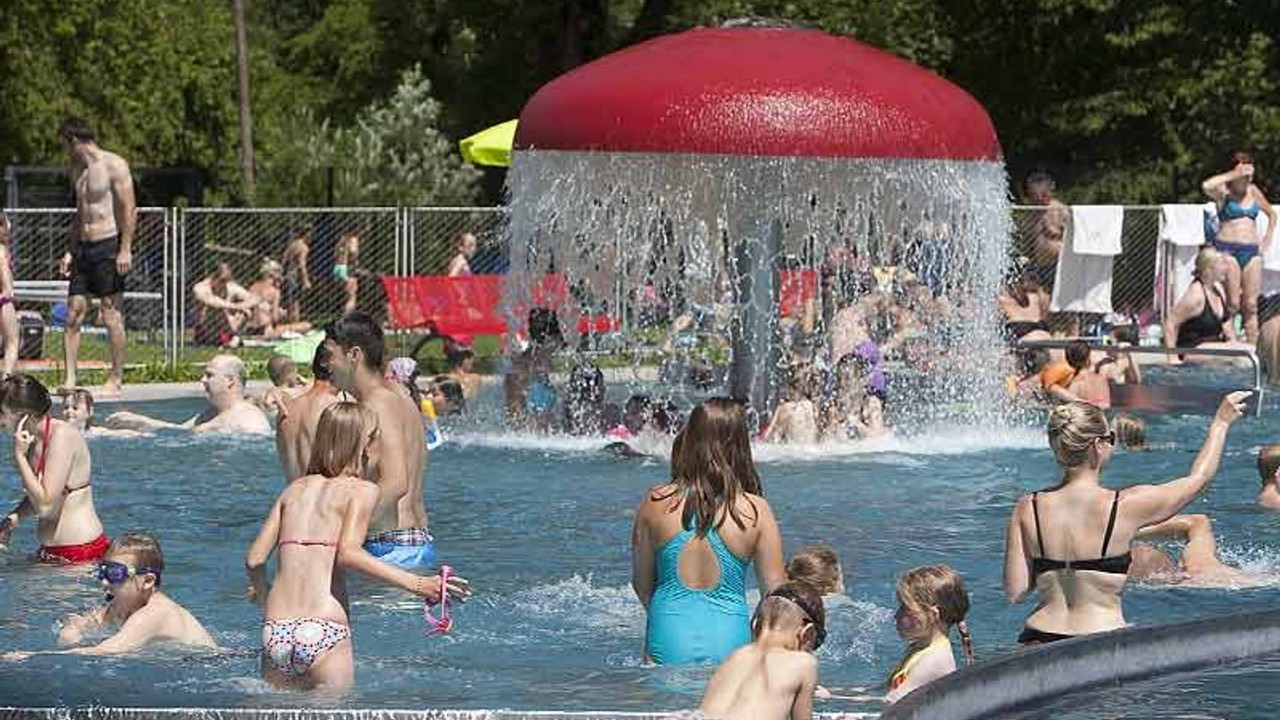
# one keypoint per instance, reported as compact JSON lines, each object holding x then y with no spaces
{"x":706,"y":161}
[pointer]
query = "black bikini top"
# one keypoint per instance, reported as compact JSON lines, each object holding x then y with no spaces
{"x":1116,"y":564}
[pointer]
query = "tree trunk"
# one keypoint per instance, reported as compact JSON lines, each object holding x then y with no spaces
{"x":246,"y":116}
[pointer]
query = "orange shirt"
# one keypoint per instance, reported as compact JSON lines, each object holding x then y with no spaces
{"x":1058,"y":373}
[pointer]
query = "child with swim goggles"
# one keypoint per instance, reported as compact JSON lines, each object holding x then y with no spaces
{"x":131,"y":574}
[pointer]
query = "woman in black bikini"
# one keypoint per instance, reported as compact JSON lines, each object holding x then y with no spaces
{"x":1071,"y":542}
{"x":1201,"y":318}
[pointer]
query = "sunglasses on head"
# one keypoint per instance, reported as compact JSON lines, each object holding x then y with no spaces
{"x":114,"y":573}
{"x":1109,"y":438}
{"x":819,"y":629}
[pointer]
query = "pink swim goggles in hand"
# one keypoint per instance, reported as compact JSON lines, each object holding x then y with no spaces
{"x":444,"y":623}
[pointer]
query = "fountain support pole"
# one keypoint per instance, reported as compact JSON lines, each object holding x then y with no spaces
{"x":757,"y":356}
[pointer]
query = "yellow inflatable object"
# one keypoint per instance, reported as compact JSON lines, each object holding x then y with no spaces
{"x":491,"y":146}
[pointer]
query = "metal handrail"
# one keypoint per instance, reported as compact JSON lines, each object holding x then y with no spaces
{"x":1249,"y":353}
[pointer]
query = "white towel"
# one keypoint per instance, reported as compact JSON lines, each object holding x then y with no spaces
{"x":1182,"y":224}
{"x":1096,"y":229}
{"x":1082,"y":283}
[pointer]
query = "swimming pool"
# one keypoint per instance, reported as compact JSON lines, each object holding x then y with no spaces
{"x":541,"y":526}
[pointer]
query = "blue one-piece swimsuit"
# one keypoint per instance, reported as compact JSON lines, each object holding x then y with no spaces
{"x":688,"y":626}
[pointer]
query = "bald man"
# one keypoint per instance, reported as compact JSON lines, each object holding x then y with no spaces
{"x":228,"y":410}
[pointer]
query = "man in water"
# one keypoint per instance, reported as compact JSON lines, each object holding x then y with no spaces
{"x":1199,"y":563}
{"x":300,"y":416}
{"x":228,"y":410}
{"x":398,"y":528}
{"x":100,"y":254}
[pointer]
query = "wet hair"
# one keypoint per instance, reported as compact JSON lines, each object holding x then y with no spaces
{"x":544,"y":327}
{"x":456,"y":353}
{"x":1131,"y":431}
{"x":360,"y":330}
{"x":923,"y":589}
{"x":278,"y":367}
{"x":322,"y":363}
{"x":80,"y":396}
{"x":1039,"y":178}
{"x":25,"y":395}
{"x":816,"y":566}
{"x":76,"y":129}
{"x":1268,"y":462}
{"x":711,"y":465}
{"x":1034,"y":360}
{"x":787,"y":608}
{"x":1073,"y":428}
{"x":339,"y":435}
{"x":452,"y":391}
{"x":638,"y":407}
{"x":805,"y":383}
{"x":1078,"y":354}
{"x":234,"y":367}
{"x":144,"y":548}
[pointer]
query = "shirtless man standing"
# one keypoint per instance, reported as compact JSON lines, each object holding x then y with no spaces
{"x":398,"y":528}
{"x":101,"y":244}
{"x":300,"y":416}
{"x":228,"y":412}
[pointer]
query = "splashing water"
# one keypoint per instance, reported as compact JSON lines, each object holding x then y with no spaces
{"x":688,"y":232}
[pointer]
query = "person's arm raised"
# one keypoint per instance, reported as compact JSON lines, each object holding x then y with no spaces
{"x":42,"y":490}
{"x":1146,"y":505}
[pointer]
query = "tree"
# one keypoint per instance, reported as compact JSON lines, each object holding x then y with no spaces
{"x":396,"y":154}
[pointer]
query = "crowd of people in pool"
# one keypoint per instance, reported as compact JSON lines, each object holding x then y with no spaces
{"x":353,"y":447}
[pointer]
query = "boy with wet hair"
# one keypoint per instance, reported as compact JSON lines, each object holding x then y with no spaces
{"x":774,"y":677}
{"x":131,"y":573}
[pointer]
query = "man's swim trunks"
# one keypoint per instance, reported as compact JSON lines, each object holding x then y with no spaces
{"x":409,"y":549}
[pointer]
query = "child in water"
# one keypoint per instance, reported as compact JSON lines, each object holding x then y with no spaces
{"x":818,"y":567}
{"x":796,"y":418}
{"x":931,"y":600}
{"x":858,"y":409}
{"x":774,"y":676}
{"x":130,"y":574}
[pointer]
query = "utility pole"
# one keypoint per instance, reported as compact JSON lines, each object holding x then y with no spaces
{"x":246,"y":116}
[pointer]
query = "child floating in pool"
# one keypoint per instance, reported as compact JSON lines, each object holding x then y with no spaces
{"x":131,"y":574}
{"x":318,"y":527}
{"x":774,"y":676}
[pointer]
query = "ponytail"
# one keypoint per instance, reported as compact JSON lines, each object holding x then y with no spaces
{"x":966,"y":641}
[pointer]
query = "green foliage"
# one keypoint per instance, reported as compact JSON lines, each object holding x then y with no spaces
{"x":1122,"y":99}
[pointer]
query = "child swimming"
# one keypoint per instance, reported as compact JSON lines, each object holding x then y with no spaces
{"x":774,"y":676}
{"x":795,"y":420}
{"x":131,"y":573}
{"x":318,"y":527}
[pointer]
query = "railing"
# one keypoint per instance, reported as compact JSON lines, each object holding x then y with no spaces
{"x":1247,"y":353}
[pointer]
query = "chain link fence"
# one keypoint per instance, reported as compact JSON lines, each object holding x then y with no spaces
{"x":1141,"y":276}
{"x":347,"y":253}
{"x":38,"y":239}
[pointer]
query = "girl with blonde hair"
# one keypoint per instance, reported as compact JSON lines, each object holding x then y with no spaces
{"x":1070,"y":543}
{"x":318,"y":527}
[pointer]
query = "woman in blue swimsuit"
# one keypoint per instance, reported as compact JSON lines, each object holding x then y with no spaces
{"x":694,"y":538}
{"x":1239,"y":203}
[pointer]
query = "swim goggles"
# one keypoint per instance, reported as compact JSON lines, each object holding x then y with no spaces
{"x":114,"y":573}
{"x":444,"y":623}
{"x":819,"y":627}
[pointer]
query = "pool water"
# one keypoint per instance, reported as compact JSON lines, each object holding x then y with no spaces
{"x":541,"y":527}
